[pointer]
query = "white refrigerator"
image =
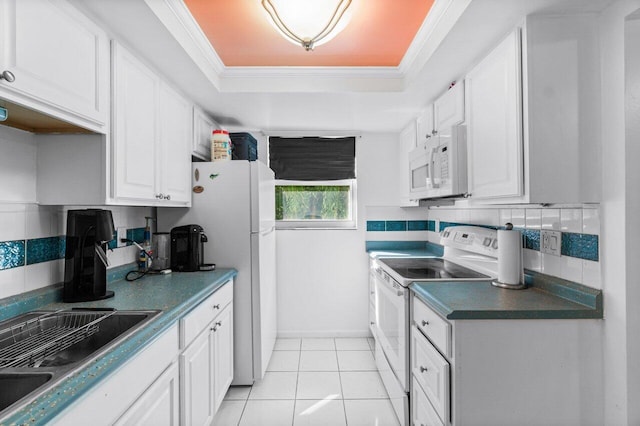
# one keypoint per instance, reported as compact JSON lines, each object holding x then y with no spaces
{"x":237,"y":211}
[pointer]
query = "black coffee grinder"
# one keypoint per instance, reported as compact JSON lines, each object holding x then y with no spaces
{"x":85,"y":260}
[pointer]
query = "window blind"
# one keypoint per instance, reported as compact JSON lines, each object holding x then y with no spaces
{"x":313,"y":158}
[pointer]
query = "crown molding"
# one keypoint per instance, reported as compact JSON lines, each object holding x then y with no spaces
{"x":312,"y":79}
{"x":175,"y":16}
{"x":439,"y":21}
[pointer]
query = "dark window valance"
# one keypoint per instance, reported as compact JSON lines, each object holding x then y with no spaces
{"x":313,"y":158}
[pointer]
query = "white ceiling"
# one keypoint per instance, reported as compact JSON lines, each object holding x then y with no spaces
{"x":336,"y":101}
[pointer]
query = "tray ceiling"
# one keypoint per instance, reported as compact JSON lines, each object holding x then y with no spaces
{"x":378,"y":35}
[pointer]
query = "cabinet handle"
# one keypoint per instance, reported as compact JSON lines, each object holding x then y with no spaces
{"x":434,"y":132}
{"x":167,"y":197}
{"x":425,"y":323}
{"x":219,"y":323}
{"x":423,"y":369}
{"x":427,"y":136}
{"x":7,"y":75}
{"x":216,"y":306}
{"x":372,"y":323}
{"x":160,"y":196}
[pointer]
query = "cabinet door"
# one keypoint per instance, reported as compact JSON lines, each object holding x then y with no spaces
{"x":135,"y":97}
{"x":60,"y":60}
{"x":448,"y":109}
{"x":494,"y":123}
{"x":425,"y":126}
{"x":222,"y":354}
{"x":174,"y":172}
{"x":159,"y":405}
{"x":203,"y":127}
{"x":196,"y":371}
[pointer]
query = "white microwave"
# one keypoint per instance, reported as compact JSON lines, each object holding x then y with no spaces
{"x":438,"y":167}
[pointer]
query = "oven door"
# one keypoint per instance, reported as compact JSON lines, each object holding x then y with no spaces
{"x":392,"y":302}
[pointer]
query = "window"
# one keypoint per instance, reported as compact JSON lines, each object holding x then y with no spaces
{"x":315,"y":182}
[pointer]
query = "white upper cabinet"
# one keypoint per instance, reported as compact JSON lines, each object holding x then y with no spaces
{"x":494,"y":123}
{"x":533,"y":115}
{"x":152,"y":133}
{"x":174,"y":174}
{"x":60,"y":61}
{"x":425,"y":126}
{"x":135,"y":130}
{"x":448,"y":109}
{"x":203,"y":127}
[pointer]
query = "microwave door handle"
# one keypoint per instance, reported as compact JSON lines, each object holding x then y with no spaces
{"x":432,"y":162}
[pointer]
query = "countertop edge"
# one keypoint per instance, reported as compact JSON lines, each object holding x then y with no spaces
{"x":472,"y":314}
{"x":40,"y":410}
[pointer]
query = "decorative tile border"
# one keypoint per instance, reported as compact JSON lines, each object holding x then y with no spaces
{"x":44,"y":249}
{"x":14,"y":254}
{"x":400,"y":225}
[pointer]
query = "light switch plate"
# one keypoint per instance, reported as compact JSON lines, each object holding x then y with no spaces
{"x":551,"y":242}
{"x":122,"y":233}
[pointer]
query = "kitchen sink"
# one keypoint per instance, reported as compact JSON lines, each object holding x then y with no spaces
{"x":39,"y":348}
{"x":15,"y":386}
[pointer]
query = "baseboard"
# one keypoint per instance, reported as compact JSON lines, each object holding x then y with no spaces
{"x":287,"y":334}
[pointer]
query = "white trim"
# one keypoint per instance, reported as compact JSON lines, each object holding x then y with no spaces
{"x":176,"y":17}
{"x":444,"y":14}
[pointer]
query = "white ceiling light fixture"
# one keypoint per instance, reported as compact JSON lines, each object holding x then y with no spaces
{"x":308,"y":23}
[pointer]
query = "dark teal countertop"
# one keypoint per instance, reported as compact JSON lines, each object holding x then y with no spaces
{"x":544,"y":298}
{"x":175,"y":294}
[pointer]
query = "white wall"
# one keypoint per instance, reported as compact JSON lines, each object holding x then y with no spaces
{"x":21,"y":218}
{"x":323,"y":275}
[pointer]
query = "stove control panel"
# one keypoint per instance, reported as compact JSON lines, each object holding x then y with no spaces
{"x":475,"y":239}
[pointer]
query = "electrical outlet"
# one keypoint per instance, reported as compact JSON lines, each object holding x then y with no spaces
{"x":121,"y":233}
{"x":551,"y":242}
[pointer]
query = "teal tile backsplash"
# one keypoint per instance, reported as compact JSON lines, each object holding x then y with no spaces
{"x":12,"y":254}
{"x":582,"y":246}
{"x":18,"y":253}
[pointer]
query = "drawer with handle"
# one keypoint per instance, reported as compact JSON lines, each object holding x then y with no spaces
{"x":431,"y":371}
{"x":196,"y":320}
{"x":433,"y":326}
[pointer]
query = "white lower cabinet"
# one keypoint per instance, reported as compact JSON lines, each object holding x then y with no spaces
{"x":196,"y":363}
{"x":125,"y":395}
{"x":423,"y":413}
{"x":179,"y":379}
{"x":206,"y":364}
{"x":159,"y":405}
{"x":504,"y":372}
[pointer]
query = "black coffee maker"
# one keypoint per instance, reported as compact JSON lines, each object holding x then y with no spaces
{"x":187,"y":249}
{"x":85,"y":260}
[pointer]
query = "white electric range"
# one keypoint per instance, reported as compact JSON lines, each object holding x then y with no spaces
{"x":470,"y":254}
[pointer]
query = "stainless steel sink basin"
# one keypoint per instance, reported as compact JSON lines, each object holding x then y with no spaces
{"x":31,"y":361}
{"x":15,"y":386}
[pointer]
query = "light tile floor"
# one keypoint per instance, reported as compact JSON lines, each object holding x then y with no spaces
{"x":313,"y":382}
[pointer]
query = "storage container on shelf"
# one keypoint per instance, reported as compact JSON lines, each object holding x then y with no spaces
{"x":220,"y":145}
{"x":245,"y":146}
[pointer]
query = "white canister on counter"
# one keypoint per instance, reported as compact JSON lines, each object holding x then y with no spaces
{"x":220,"y":145}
